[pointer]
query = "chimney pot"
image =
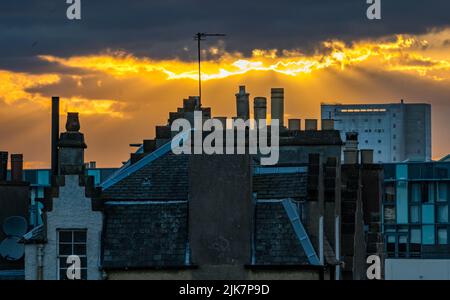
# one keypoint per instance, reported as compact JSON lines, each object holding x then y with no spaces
{"x":73,"y":122}
{"x":350,"y":156}
{"x":311,"y":124}
{"x":260,"y":108}
{"x":294,"y":124}
{"x":242,"y":104}
{"x":367,"y":156}
{"x":17,"y":167}
{"x":277,"y":105}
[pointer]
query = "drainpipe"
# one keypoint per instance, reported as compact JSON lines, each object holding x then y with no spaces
{"x":40,"y":262}
{"x":321,"y":237}
{"x":338,"y":246}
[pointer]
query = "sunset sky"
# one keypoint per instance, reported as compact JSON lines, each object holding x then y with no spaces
{"x":126,"y":64}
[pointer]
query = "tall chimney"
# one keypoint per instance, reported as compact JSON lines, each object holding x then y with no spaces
{"x":3,"y":165}
{"x":294,"y":124}
{"x":277,"y":103}
{"x":242,"y":105}
{"x":55,"y":135}
{"x":260,"y":108}
{"x":17,"y":167}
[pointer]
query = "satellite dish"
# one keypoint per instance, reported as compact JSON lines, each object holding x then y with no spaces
{"x":11,"y":249}
{"x":14,"y":228}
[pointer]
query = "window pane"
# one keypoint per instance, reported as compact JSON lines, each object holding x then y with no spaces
{"x":442,"y":191}
{"x":428,"y":235}
{"x":442,"y":236}
{"x":414,"y":214}
{"x":442,"y":214}
{"x":65,"y":249}
{"x":80,"y":237}
{"x":428,"y":213}
{"x":65,"y":236}
{"x":431,"y":189}
{"x":402,"y":202}
{"x":79,"y":249}
{"x":402,"y":171}
{"x":415,"y":192}
{"x":415,"y":237}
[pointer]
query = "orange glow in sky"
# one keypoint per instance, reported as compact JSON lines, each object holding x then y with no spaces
{"x":121,"y":97}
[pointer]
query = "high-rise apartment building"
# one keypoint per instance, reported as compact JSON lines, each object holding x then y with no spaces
{"x":396,"y":132}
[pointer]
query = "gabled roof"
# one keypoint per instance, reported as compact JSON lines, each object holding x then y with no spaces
{"x":145,"y":235}
{"x":275,"y":239}
{"x":165,"y":178}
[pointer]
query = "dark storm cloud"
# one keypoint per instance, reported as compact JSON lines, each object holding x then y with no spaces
{"x":161,"y":29}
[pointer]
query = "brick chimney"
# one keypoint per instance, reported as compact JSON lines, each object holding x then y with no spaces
{"x":16,"y":167}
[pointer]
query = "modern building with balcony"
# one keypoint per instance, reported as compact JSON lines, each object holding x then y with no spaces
{"x":416,"y":220}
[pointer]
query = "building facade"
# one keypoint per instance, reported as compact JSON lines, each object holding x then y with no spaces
{"x":396,"y":132}
{"x":72,"y":220}
{"x":415,"y":218}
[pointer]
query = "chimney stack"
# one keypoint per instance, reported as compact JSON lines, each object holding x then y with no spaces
{"x":71,"y":148}
{"x":327,"y":124}
{"x":55,"y":135}
{"x":351,"y":148}
{"x":17,"y":167}
{"x":3,"y":165}
{"x":310,"y":124}
{"x":277,"y":105}
{"x":260,"y":108}
{"x":242,"y":103}
{"x":294,"y":124}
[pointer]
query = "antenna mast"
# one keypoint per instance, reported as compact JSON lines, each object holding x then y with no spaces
{"x":201,"y":36}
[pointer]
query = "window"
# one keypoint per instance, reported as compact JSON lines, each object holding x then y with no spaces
{"x":428,"y":214}
{"x":428,"y":235}
{"x":71,"y":242}
{"x":394,"y":136}
{"x":379,"y":151}
{"x":379,"y":141}
{"x":394,"y":126}
{"x":394,"y":115}
{"x":415,"y":192}
{"x":442,"y":213}
{"x":414,"y":214}
{"x":442,"y":236}
{"x":395,"y":148}
{"x":367,"y":141}
{"x":442,"y":192}
{"x":379,"y":120}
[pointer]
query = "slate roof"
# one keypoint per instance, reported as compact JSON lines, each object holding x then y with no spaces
{"x":280,"y":186}
{"x":275,"y":239}
{"x":145,"y":229}
{"x":145,"y":235}
{"x":163,"y":179}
